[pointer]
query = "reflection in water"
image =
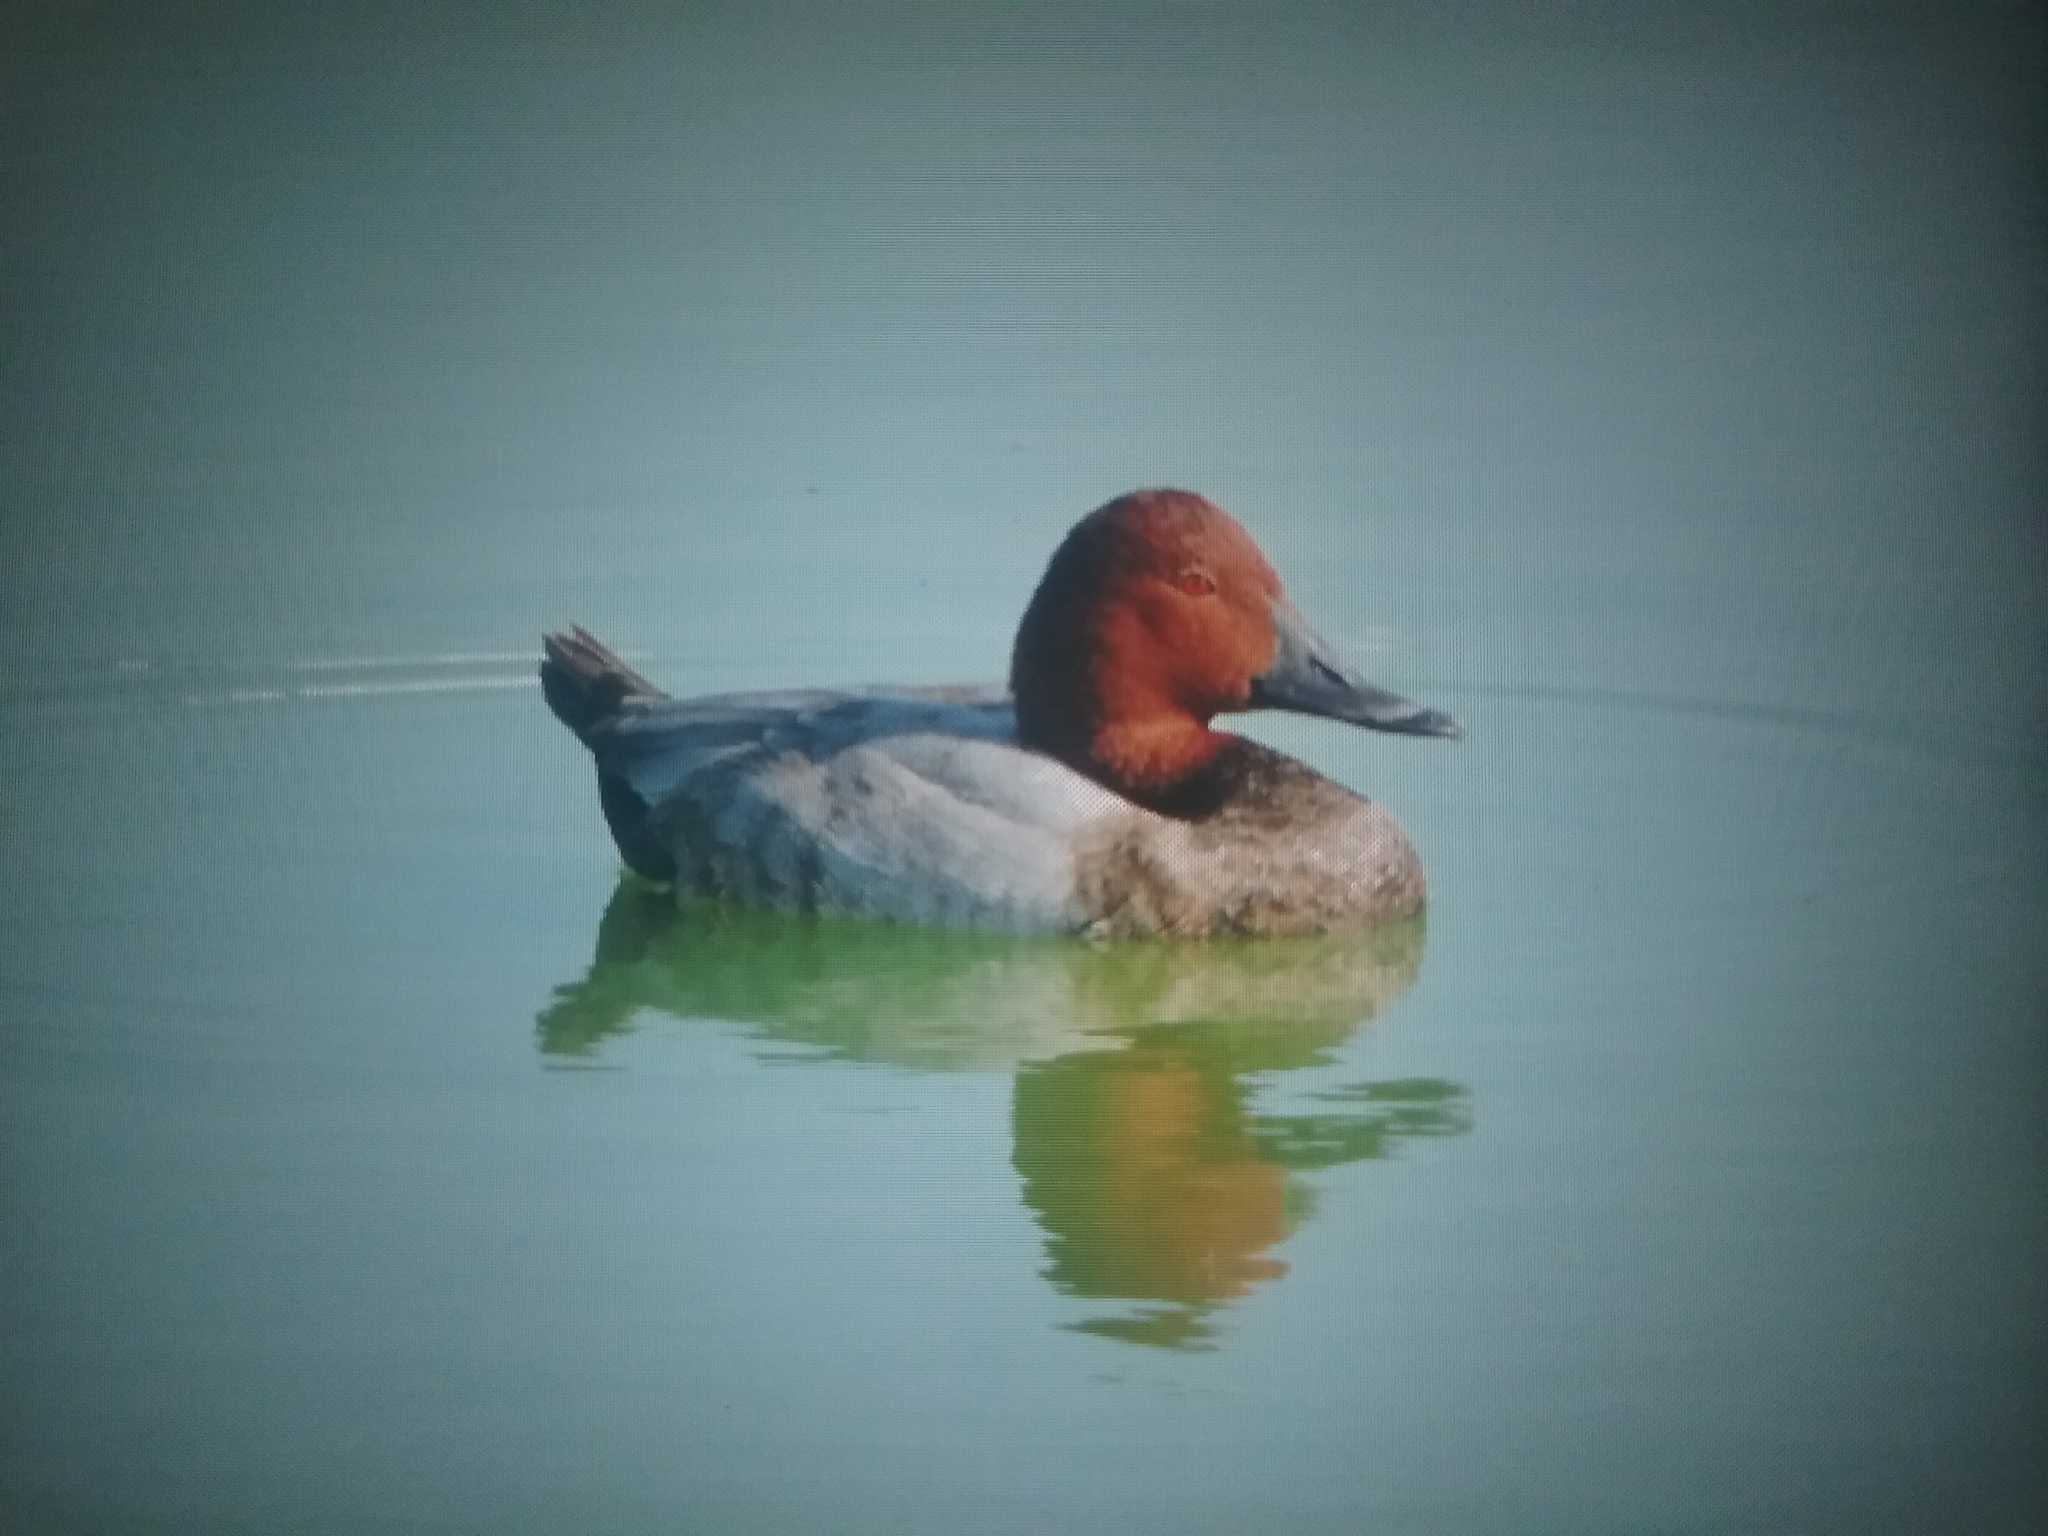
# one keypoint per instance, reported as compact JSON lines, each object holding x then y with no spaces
{"x":1156,"y":1184}
{"x":1153,"y":1180}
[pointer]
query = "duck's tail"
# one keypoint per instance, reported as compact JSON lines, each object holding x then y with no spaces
{"x":586,"y":682}
{"x":588,"y":685}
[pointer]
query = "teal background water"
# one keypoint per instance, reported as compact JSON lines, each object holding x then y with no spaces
{"x":1657,"y":392}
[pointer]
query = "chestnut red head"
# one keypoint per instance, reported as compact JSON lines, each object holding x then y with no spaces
{"x":1157,"y":613}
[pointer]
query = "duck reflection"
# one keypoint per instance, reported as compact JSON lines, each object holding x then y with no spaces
{"x":1156,"y":1183}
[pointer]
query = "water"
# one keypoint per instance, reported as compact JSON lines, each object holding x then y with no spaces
{"x":1655,"y":396}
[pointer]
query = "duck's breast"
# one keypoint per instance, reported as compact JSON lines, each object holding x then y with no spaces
{"x":1287,"y":852}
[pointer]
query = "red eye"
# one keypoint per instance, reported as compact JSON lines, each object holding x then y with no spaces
{"x":1195,"y":583}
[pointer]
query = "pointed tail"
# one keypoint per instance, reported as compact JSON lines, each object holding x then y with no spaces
{"x":587,"y":685}
{"x":586,"y":682}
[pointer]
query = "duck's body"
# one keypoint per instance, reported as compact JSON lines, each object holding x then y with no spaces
{"x":1073,"y":804}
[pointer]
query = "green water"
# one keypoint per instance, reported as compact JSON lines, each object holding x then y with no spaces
{"x":1654,"y":395}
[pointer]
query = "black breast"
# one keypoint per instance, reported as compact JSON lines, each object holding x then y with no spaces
{"x":1248,"y":787}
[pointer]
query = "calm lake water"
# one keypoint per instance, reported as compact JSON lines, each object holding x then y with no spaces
{"x":1659,"y":398}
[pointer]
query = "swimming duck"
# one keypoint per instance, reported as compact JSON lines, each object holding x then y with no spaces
{"x":1090,"y":797}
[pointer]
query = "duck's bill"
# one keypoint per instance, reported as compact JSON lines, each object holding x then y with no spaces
{"x":1308,"y":677}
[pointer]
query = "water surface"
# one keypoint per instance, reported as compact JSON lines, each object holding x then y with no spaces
{"x":1656,"y":395}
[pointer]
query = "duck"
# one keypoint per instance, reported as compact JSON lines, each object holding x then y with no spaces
{"x":1092,"y":796}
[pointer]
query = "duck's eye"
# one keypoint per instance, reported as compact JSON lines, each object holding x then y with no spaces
{"x":1196,"y":583}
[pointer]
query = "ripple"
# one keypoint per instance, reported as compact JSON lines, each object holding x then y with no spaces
{"x":209,"y":683}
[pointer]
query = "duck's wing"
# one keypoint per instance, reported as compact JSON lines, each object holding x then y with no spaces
{"x":910,"y":803}
{"x":913,"y":804}
{"x":652,"y":744}
{"x":659,"y":744}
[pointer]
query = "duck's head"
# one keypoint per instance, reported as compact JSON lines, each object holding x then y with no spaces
{"x":1158,"y":613}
